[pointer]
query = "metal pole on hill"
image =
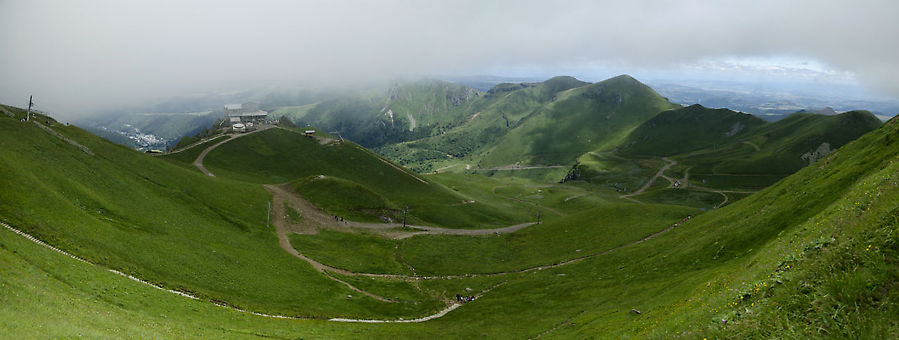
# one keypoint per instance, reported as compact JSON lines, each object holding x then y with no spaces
{"x":268,"y":213}
{"x":405,"y":209}
{"x":30,"y":104}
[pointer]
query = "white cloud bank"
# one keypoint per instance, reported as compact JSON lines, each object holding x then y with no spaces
{"x":79,"y":56}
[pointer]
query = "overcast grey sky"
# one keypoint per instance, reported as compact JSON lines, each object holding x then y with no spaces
{"x":80,"y":56}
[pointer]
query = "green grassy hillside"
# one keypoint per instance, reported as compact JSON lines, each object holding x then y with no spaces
{"x":811,"y":256}
{"x":723,"y":149}
{"x":161,"y":222}
{"x":689,"y":129}
{"x":551,"y":122}
{"x":404,"y":110}
{"x":581,"y":120}
{"x":280,"y":155}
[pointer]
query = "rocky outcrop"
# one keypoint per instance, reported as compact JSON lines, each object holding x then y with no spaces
{"x":817,"y":154}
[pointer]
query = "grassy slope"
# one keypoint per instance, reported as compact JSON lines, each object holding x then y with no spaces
{"x":688,"y":129}
{"x":754,"y":157}
{"x":824,"y":239}
{"x":776,"y":236}
{"x":382,"y":115}
{"x":142,"y":215}
{"x":489,"y":119}
{"x":777,"y":147}
{"x":187,"y":157}
{"x":278,"y":156}
{"x":564,"y":238}
{"x":686,"y":281}
{"x":580,"y":120}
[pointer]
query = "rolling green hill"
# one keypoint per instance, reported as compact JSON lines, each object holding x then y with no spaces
{"x":810,"y":256}
{"x":547,"y":123}
{"x":429,"y":125}
{"x":689,"y":129}
{"x":280,"y":155}
{"x":405,"y":110}
{"x":723,"y":149}
{"x":577,"y":121}
{"x":164,"y":223}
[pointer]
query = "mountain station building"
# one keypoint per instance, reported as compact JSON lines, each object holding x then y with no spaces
{"x":234,"y":114}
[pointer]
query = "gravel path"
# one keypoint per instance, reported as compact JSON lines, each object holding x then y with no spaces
{"x":651,"y":180}
{"x":313,"y":218}
{"x":284,"y":242}
{"x":199,"y":161}
{"x":313,"y":214}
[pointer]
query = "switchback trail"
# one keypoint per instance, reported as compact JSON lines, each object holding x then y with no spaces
{"x":452,"y":306}
{"x":651,"y":180}
{"x":722,"y":193}
{"x":313,"y":219}
{"x":283,"y":230}
{"x":684,"y":184}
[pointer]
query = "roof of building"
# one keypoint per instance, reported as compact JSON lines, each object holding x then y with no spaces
{"x":310,"y":131}
{"x":259,"y":113}
{"x":233,"y":106}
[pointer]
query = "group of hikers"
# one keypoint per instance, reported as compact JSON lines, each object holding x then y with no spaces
{"x":464,"y":299}
{"x":683,"y":220}
{"x":339,"y":219}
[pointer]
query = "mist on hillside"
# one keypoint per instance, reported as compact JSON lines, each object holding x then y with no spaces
{"x":81,"y":58}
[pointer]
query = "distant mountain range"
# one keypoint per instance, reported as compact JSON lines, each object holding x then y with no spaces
{"x":772,"y":105}
{"x":550,"y":126}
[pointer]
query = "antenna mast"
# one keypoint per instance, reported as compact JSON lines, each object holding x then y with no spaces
{"x":30,"y":103}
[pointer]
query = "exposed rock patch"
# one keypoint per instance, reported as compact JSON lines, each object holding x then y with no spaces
{"x":817,"y":154}
{"x":735,"y":129}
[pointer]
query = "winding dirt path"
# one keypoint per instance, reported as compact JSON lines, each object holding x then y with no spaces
{"x":285,"y":244}
{"x":684,"y":184}
{"x":199,"y":161}
{"x":575,"y":197}
{"x":514,"y":167}
{"x":651,"y":180}
{"x":283,"y":228}
{"x":191,"y":146}
{"x":313,"y":219}
{"x":722,"y":193}
{"x":439,"y":314}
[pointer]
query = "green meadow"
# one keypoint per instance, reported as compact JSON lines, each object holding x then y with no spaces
{"x":759,"y":244}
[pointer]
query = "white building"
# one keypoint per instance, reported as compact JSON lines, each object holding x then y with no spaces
{"x":234,"y":114}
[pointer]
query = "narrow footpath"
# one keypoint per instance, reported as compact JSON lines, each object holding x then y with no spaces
{"x":199,"y":161}
{"x":651,"y":180}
